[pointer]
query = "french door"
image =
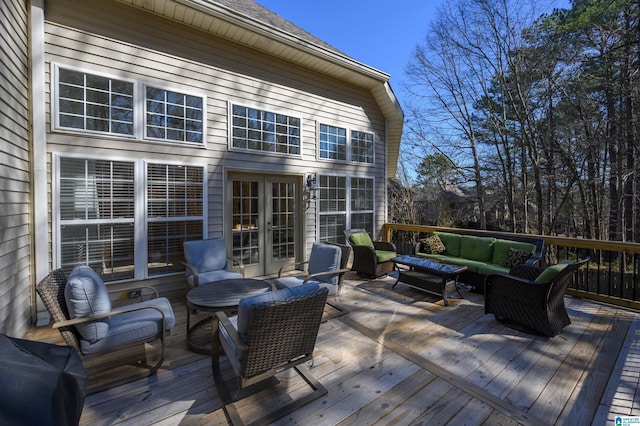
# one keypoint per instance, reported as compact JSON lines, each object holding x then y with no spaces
{"x":263,"y":216}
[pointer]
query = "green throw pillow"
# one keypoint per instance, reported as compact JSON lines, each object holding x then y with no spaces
{"x":361,"y":239}
{"x":516,"y":257}
{"x":549,"y":273}
{"x":433,"y":245}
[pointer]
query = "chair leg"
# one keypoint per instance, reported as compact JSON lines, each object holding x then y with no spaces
{"x":231,"y":411}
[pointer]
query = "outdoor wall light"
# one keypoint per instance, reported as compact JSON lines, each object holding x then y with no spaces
{"x":312,"y":187}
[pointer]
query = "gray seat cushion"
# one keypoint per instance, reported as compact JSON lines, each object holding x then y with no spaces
{"x":213,"y":276}
{"x":86,"y":295}
{"x":325,"y":257}
{"x":291,"y":282}
{"x":132,"y":326}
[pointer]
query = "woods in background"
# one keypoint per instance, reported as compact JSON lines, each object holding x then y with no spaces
{"x":525,"y":122}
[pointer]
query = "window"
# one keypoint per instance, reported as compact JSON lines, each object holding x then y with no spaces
{"x":93,"y":103}
{"x":173,"y":116}
{"x":97,"y":216}
{"x":344,"y":202}
{"x":333,"y":142}
{"x":175,"y":206}
{"x":264,"y":131}
{"x":362,"y":147}
{"x":99,"y":211}
{"x":333,"y":145}
{"x":362,"y":204}
{"x":332,"y":207}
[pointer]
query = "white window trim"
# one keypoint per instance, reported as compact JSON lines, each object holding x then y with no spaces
{"x":140,"y":219}
{"x":349,"y":148}
{"x":139,"y":108}
{"x":230,"y":146}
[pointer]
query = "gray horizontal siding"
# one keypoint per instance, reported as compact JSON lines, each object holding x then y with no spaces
{"x":16,"y":293}
{"x":105,"y":37}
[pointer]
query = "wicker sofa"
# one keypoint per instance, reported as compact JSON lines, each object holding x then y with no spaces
{"x":483,"y":253}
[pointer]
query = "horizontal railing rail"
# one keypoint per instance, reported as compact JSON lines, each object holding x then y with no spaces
{"x":611,"y":276}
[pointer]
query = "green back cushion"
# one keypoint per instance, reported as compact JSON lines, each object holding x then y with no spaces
{"x":451,"y":242}
{"x":550,"y":272}
{"x":477,"y":248}
{"x":361,"y":239}
{"x":501,"y":249}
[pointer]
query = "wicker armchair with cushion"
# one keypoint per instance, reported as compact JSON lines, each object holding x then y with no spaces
{"x":530,"y":298}
{"x":370,"y":258}
{"x":80,"y":307}
{"x":326,"y":267}
{"x":272,"y":332}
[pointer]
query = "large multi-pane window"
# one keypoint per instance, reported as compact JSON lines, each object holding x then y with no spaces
{"x":99,"y":217}
{"x":362,"y":147}
{"x":175,"y":207}
{"x":173,"y":116}
{"x":95,"y":103}
{"x":362,"y":204}
{"x":333,"y":142}
{"x":344,"y":202}
{"x":334,"y":145}
{"x":257,"y":130}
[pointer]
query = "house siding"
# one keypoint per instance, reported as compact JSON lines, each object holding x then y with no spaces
{"x":16,"y":292}
{"x":105,"y":37}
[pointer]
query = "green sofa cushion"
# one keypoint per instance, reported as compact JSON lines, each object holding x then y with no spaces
{"x":361,"y":239}
{"x":384,"y":255}
{"x":492,"y":268}
{"x":451,"y":242}
{"x":477,"y":248}
{"x":550,"y":272}
{"x":501,"y":249}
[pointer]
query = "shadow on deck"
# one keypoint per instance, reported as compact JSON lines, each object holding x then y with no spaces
{"x":402,"y":357}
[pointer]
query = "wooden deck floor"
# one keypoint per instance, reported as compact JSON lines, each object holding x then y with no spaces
{"x":401,"y":357}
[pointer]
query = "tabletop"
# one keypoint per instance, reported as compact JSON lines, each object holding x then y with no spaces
{"x":225,"y":293}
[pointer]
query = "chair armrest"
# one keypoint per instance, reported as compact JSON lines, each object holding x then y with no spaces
{"x":319,"y":274}
{"x":384,"y":245}
{"x":525,"y":271}
{"x":116,"y":311}
{"x":238,"y":263}
{"x":223,"y":322}
{"x":282,"y":268}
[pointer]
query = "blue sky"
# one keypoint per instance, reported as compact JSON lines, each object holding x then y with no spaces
{"x":380,"y":33}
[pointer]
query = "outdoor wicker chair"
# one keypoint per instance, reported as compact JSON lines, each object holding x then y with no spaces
{"x":207,"y":262}
{"x":370,"y":258}
{"x":530,"y":298}
{"x":272,"y":332}
{"x":93,"y":329}
{"x":326,"y":267}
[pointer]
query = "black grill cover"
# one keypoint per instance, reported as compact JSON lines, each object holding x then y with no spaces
{"x":40,"y":383}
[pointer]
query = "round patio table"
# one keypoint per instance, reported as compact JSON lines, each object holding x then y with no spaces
{"x":218,"y":296}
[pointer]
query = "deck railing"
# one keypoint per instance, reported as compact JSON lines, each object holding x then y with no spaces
{"x":612,"y":275}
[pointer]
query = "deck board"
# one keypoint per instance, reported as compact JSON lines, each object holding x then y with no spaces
{"x":401,"y":357}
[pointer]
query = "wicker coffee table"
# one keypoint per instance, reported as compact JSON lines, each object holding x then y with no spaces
{"x":426,"y":275}
{"x":219,"y":296}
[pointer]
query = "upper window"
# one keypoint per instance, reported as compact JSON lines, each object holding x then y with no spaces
{"x":333,"y":144}
{"x":362,"y":147}
{"x":173,"y":116}
{"x":264,"y":131}
{"x":95,"y":103}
